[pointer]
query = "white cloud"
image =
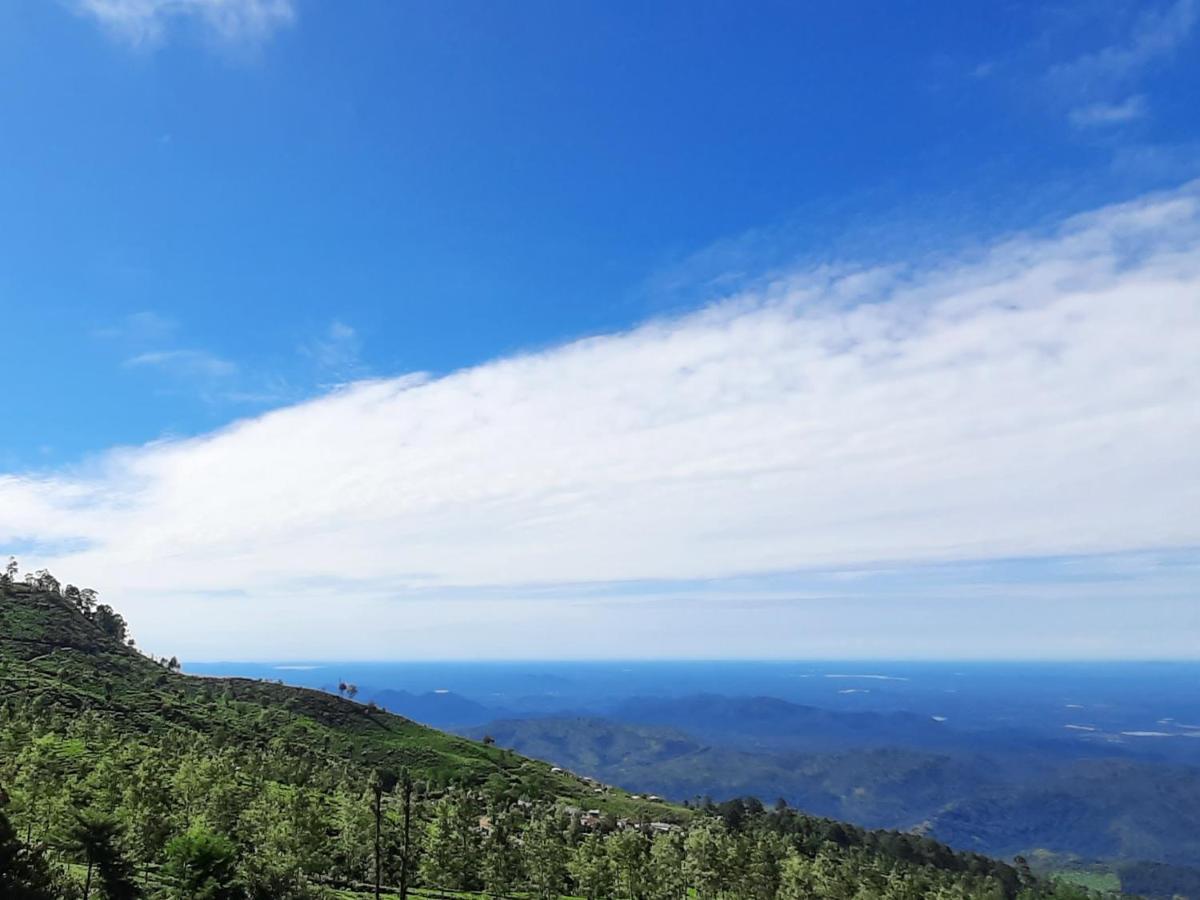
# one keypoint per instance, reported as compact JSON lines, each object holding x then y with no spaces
{"x":232,"y":21}
{"x":1036,"y":397}
{"x":187,"y":363}
{"x":1105,"y":114}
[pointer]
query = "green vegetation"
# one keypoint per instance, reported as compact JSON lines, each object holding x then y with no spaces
{"x":1096,"y":880}
{"x":122,"y":778}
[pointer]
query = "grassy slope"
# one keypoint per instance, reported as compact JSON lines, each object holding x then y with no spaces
{"x":48,"y":648}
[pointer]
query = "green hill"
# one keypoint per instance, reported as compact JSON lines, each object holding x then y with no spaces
{"x":50,"y":650}
{"x":121,"y":777}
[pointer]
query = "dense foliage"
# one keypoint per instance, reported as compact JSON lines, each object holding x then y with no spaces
{"x":121,"y":778}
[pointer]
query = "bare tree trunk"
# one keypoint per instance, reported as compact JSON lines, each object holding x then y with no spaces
{"x":87,"y":884}
{"x":404,"y":860}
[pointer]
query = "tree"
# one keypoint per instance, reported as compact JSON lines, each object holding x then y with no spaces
{"x":382,"y":782}
{"x":353,"y":818}
{"x":11,"y":571}
{"x":24,"y":874}
{"x":501,"y":856}
{"x":96,"y":836}
{"x":451,"y":844}
{"x":147,"y":794}
{"x":201,"y":865}
{"x":595,"y":878}
{"x":44,"y":581}
{"x":110,"y":622}
{"x":630,"y":854}
{"x":761,"y":856}
{"x":795,"y":877}
{"x":87,"y":600}
{"x":706,"y":865}
{"x":545,"y":856}
{"x":667,"y":880}
{"x":406,"y":848}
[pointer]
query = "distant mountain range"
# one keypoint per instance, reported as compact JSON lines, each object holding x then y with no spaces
{"x":990,"y":792}
{"x":438,"y":709}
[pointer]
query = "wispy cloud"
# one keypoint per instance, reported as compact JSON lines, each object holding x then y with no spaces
{"x":1103,"y":114}
{"x":139,"y":327}
{"x":336,"y":353}
{"x":186,"y":363}
{"x":1156,"y":34}
{"x":1029,"y":398}
{"x":143,"y":22}
{"x":1093,"y":84}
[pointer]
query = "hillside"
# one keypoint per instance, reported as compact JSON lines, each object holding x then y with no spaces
{"x":50,"y":649}
{"x":122,"y":778}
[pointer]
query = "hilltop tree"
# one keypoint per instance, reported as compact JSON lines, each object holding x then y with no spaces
{"x":110,"y":622}
{"x":44,"y":581}
{"x":87,"y":600}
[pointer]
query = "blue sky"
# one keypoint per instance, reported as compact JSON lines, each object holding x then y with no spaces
{"x":356,"y":246}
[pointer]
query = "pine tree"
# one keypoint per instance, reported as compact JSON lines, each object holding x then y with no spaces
{"x":96,"y":837}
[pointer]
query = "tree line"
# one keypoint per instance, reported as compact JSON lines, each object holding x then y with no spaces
{"x":88,"y":813}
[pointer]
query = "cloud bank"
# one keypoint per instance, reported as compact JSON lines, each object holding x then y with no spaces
{"x":1037,"y":397}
